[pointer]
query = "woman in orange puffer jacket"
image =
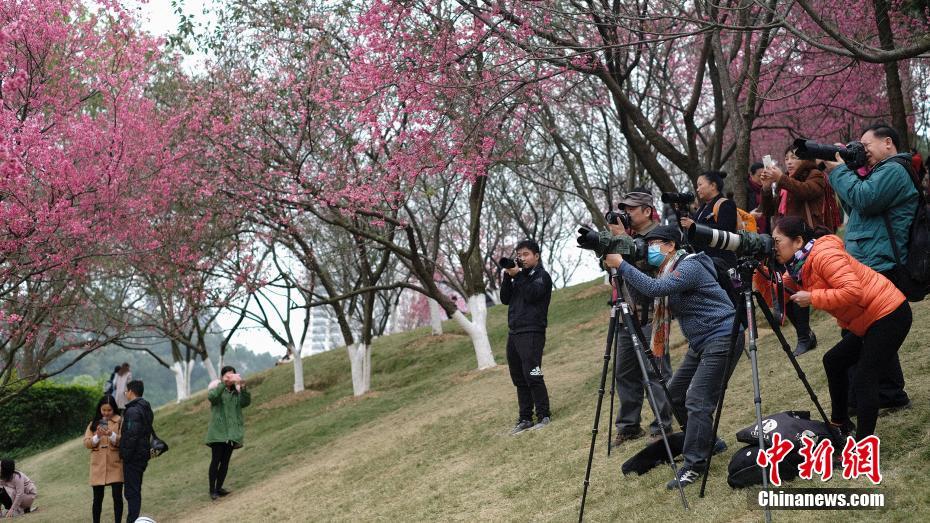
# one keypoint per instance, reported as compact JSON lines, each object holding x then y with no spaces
{"x":863,"y":302}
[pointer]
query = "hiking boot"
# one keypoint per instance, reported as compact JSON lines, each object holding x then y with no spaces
{"x":523,"y":424}
{"x":806,"y":344}
{"x":623,"y":437}
{"x":541,"y":425}
{"x":686,"y":476}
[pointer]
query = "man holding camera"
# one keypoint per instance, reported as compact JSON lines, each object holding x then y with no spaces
{"x":639,"y":206}
{"x":886,"y":191}
{"x":527,"y":290}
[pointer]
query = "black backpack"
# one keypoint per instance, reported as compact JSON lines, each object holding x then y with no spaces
{"x":914,"y":275}
{"x":791,"y":425}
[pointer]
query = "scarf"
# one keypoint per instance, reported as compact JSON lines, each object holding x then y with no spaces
{"x":796,"y":263}
{"x":662,"y":319}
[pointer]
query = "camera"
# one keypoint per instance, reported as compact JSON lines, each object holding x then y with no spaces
{"x":506,"y":263}
{"x":853,"y":154}
{"x":678,"y":198}
{"x":618,"y":218}
{"x":743,"y":243}
{"x":604,"y":243}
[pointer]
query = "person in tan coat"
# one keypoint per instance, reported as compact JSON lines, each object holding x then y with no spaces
{"x":106,"y":467}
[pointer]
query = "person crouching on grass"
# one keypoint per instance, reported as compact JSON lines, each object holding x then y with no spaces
{"x":687,"y":288}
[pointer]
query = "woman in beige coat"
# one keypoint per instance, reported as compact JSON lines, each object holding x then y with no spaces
{"x":106,"y":468}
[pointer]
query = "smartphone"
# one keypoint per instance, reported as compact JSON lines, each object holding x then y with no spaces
{"x":767,"y":161}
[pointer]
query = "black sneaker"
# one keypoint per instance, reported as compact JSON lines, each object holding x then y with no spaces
{"x":623,"y":437}
{"x":720,"y":446}
{"x":523,"y":424}
{"x":214,"y":495}
{"x":542,"y":424}
{"x":686,"y":476}
{"x":222,"y":492}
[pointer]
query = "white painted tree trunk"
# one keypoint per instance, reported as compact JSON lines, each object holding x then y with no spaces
{"x":211,"y":370}
{"x":477,"y":330}
{"x":182,"y":379}
{"x":435,"y":317}
{"x":296,"y":354}
{"x":360,"y":360}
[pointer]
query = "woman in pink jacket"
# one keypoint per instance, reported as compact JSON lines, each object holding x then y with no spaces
{"x":17,"y":491}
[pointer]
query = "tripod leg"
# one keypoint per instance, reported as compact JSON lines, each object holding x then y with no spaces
{"x":638,"y":349}
{"x":756,"y":387}
{"x":657,"y":371}
{"x":613,"y":384}
{"x":770,"y":318}
{"x":611,"y":335}
{"x":730,"y":366}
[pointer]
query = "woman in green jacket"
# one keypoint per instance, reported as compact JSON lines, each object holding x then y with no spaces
{"x":227,"y":398}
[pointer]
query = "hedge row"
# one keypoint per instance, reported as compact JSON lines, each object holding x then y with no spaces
{"x":45,"y":415}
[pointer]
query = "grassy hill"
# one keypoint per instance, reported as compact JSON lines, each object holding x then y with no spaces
{"x":431,"y":441}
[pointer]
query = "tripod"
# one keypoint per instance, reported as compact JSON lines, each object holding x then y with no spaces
{"x":745,"y":309}
{"x":621,"y":317}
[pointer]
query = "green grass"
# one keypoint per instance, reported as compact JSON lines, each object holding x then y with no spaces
{"x":431,"y":441}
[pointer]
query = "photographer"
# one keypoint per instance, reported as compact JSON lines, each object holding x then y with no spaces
{"x":799,"y":192}
{"x":885,"y":191}
{"x":629,"y":379}
{"x":715,"y":211}
{"x":873,"y":313}
{"x":687,"y":289}
{"x":527,"y":290}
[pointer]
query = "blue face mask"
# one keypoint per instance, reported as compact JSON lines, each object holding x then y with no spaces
{"x":655,"y":256}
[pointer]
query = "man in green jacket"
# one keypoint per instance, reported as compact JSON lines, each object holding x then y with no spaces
{"x":227,"y":429}
{"x":885,"y":190}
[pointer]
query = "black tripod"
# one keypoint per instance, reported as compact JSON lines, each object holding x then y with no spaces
{"x":745,"y":309}
{"x":621,"y":317}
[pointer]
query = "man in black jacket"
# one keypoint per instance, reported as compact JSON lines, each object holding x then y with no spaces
{"x":135,"y":447}
{"x":527,"y":289}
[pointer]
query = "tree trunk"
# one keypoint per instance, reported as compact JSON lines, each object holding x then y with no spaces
{"x":181,"y":380}
{"x":892,"y":76}
{"x":496,"y":296}
{"x":211,"y":370}
{"x":296,"y":354}
{"x":477,"y":330}
{"x":360,"y":360}
{"x":435,"y":317}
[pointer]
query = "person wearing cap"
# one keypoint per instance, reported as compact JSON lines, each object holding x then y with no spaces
{"x":640,"y":206}
{"x":686,"y":288}
{"x":715,"y":211}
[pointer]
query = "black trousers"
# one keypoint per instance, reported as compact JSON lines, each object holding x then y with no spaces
{"x":219,"y":464}
{"x":872,"y":355}
{"x":524,"y":358}
{"x":97,"y":507}
{"x":132,"y":484}
{"x":5,"y":499}
{"x":890,"y":385}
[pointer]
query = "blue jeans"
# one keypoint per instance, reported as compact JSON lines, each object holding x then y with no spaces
{"x":695,"y":389}
{"x":630,"y":386}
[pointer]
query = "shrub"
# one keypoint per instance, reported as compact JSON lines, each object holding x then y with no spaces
{"x":45,"y":415}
